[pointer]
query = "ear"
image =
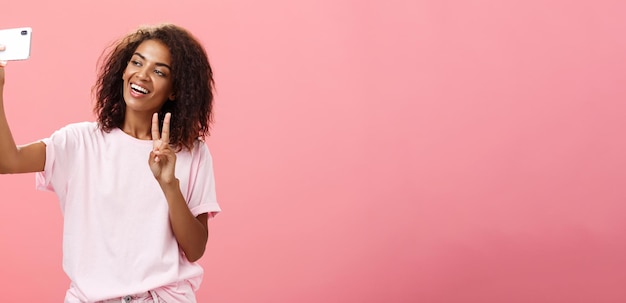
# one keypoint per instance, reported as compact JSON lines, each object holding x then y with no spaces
{"x":172,"y":97}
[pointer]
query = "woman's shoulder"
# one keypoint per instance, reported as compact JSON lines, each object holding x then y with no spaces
{"x":84,"y":128}
{"x":198,"y":149}
{"x":201,"y":150}
{"x":84,"y":125}
{"x":200,"y":145}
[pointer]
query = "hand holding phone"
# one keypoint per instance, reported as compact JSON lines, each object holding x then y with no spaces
{"x":16,"y":42}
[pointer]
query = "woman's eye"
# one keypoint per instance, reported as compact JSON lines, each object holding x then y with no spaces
{"x":160,"y":73}
{"x":135,"y":63}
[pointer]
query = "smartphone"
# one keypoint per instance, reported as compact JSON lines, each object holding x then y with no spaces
{"x":17,"y":43}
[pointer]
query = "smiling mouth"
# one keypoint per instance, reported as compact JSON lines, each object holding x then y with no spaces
{"x":138,"y":89}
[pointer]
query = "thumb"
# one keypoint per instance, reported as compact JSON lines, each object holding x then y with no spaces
{"x":154,"y":158}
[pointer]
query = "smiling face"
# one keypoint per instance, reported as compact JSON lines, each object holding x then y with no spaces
{"x":148,"y":83}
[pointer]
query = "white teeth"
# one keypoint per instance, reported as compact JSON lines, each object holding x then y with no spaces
{"x":139,"y":88}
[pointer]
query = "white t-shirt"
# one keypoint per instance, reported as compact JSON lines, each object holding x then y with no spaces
{"x":117,"y":238}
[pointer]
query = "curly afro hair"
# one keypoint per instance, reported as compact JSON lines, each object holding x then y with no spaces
{"x":192,"y":83}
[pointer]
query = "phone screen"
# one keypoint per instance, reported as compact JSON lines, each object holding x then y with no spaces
{"x":17,"y":43}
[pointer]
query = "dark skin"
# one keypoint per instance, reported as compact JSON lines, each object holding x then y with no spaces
{"x":191,"y":232}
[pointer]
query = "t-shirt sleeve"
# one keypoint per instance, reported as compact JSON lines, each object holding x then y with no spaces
{"x":202,"y":198}
{"x":54,"y":175}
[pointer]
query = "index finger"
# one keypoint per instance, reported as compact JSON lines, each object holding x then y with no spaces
{"x":165,"y":135}
{"x":155,"y":126}
{"x":2,"y":47}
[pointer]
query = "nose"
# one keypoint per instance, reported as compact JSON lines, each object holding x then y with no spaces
{"x":142,"y":74}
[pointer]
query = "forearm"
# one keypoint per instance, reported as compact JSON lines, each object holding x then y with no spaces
{"x":190,"y":232}
{"x":8,"y":149}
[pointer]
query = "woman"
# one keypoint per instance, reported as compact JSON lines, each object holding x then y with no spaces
{"x":132,"y":230}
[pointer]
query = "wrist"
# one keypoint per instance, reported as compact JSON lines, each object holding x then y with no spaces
{"x":169,"y":181}
{"x":168,"y":184}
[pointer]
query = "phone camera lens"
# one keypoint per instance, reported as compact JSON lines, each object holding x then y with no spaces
{"x":24,"y":33}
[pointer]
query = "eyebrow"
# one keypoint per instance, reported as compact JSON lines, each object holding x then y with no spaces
{"x":157,"y":63}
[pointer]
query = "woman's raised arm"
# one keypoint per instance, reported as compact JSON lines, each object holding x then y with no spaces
{"x":16,"y":159}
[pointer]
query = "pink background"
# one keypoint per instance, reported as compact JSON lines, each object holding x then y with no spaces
{"x":366,"y":151}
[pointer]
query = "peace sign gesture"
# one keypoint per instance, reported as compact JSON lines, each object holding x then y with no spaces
{"x":162,"y":158}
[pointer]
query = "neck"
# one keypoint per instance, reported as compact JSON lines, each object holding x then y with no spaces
{"x":139,"y":127}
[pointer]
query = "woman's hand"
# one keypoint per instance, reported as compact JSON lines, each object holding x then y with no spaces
{"x":162,"y":158}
